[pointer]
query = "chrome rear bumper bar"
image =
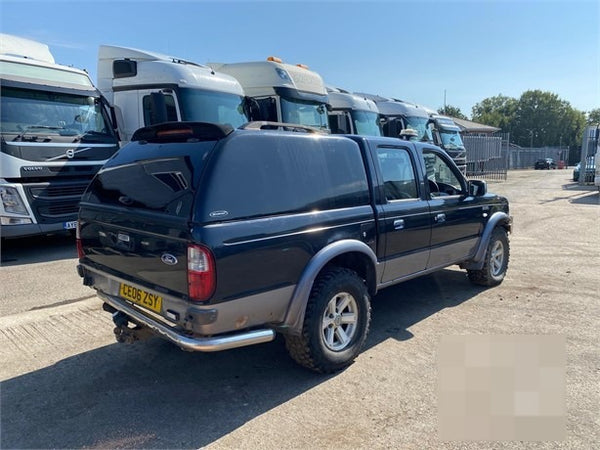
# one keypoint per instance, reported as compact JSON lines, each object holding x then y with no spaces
{"x":198,"y":344}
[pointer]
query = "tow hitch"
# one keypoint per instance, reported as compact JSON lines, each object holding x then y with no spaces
{"x":126,"y":335}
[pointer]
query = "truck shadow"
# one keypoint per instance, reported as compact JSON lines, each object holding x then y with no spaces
{"x":36,"y":249}
{"x":151,"y":395}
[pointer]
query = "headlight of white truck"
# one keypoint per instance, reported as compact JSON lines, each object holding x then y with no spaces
{"x":11,"y":200}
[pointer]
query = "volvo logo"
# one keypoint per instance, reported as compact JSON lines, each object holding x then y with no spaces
{"x":70,"y":153}
{"x":168,"y":259}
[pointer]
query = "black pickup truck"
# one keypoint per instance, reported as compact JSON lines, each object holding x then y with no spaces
{"x":215,"y":238}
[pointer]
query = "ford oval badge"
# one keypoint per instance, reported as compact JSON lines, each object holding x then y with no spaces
{"x":168,"y":259}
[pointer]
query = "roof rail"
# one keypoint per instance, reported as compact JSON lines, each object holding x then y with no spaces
{"x":266,"y":125}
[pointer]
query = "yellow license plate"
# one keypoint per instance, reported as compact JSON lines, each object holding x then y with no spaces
{"x":141,"y":297}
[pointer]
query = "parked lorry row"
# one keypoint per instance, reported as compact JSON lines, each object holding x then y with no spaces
{"x":58,"y":129}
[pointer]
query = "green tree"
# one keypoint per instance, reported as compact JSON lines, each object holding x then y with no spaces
{"x":593,"y":117}
{"x":498,"y":111}
{"x":543,"y":119}
{"x":452,"y":111}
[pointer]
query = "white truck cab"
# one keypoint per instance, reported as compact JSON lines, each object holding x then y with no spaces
{"x":446,"y":134}
{"x":352,"y":114}
{"x":147,"y":88}
{"x":400,"y":116}
{"x":283,"y":92}
{"x":56,"y":133}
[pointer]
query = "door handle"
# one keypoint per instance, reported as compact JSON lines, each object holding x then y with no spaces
{"x":398,"y":224}
{"x":440,"y":218}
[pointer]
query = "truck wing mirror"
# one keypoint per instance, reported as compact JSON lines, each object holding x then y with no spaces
{"x":158,"y":108}
{"x":251,"y":108}
{"x":477,"y":188}
{"x":116,"y":118}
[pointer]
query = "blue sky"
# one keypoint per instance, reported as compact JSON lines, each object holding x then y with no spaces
{"x":405,"y":49}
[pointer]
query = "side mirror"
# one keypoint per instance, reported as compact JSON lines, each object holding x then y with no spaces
{"x":341,"y":124}
{"x":477,"y":188}
{"x":251,"y":108}
{"x":158,"y":108}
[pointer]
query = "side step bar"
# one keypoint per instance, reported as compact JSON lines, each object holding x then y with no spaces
{"x":198,"y":344}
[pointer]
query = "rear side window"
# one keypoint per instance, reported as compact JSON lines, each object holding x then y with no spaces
{"x":267,"y":175}
{"x":397,"y":172}
{"x":152,"y":177}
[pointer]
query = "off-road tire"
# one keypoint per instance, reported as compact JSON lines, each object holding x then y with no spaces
{"x":496,"y":261}
{"x":315,"y":347}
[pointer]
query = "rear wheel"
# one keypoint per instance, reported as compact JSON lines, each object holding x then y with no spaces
{"x":336,"y":322}
{"x":496,"y":261}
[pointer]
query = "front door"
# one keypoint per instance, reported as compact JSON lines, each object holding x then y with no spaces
{"x":457,"y":219}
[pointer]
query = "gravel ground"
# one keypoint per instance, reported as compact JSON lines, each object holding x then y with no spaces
{"x":66,"y":384}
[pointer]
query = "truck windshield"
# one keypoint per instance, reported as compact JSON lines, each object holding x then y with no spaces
{"x":366,"y":123}
{"x":304,"y":113}
{"x":451,"y":139}
{"x":210,"y":106}
{"x":420,"y":125}
{"x":30,"y":113}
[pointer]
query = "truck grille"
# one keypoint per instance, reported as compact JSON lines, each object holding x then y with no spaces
{"x":56,"y":201}
{"x":58,"y":191}
{"x":59,"y":211}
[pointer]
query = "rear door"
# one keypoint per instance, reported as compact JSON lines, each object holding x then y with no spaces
{"x":403,"y":214}
{"x":135,"y":216}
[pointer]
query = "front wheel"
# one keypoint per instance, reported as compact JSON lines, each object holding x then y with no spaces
{"x":496,"y":261}
{"x":336,"y":322}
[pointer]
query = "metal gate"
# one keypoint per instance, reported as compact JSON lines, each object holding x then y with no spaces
{"x":487,"y":157}
{"x":590,"y":146}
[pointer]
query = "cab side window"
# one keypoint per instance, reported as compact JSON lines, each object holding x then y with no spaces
{"x":441,"y":176}
{"x":398,"y":173}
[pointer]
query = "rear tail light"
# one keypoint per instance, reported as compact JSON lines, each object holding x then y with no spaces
{"x":80,"y":253}
{"x":201,"y":273}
